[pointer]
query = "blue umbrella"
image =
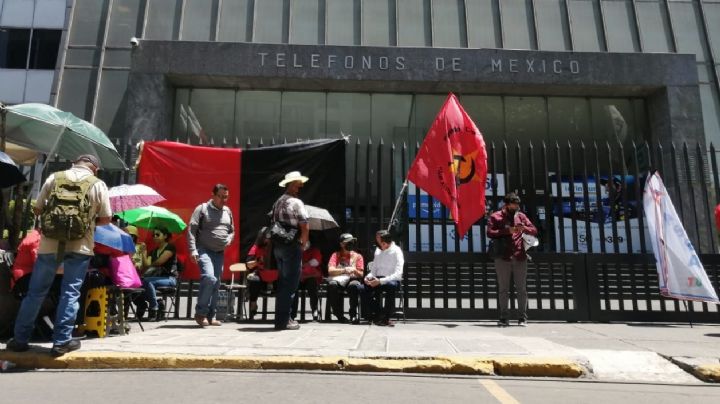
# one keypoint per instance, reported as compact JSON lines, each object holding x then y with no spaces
{"x":10,"y":174}
{"x":111,"y":240}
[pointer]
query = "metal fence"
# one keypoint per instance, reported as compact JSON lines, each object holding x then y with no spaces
{"x":594,"y":262}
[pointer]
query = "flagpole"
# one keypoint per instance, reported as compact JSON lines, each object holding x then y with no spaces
{"x":397,"y":205}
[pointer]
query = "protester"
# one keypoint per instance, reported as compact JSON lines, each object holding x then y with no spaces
{"x":290,"y":234}
{"x":506,"y":227}
{"x":384,"y":275}
{"x":310,"y":277}
{"x":211,"y":231}
{"x":261,"y":277}
{"x":161,"y":271}
{"x":73,"y":252}
{"x":27,"y":253}
{"x":345,"y":269}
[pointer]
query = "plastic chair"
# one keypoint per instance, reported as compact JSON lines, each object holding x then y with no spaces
{"x":164,"y":293}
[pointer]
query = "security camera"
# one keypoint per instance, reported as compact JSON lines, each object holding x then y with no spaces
{"x":134,"y":42}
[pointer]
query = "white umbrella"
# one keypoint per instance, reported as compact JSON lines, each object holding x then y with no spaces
{"x":320,"y":219}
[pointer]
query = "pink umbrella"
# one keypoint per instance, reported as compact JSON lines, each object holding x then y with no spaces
{"x":126,"y":197}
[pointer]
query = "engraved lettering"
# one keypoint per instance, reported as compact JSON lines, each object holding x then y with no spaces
{"x":400,"y":63}
{"x":530,"y":67}
{"x":384,"y":63}
{"x":280,"y":59}
{"x":497,"y":65}
{"x":295,"y":62}
{"x":367,"y":62}
{"x":456,"y":64}
{"x":262,"y":58}
{"x":315,"y":60}
{"x":331,"y":60}
{"x":574,"y":67}
{"x":513,"y":65}
{"x":349,"y":62}
{"x":439,"y":64}
{"x":557,"y":66}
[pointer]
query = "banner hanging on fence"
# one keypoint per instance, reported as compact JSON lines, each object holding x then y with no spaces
{"x":680,"y":272}
{"x":185,"y":176}
{"x":452,"y":165}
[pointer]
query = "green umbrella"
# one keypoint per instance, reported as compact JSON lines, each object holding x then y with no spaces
{"x":51,"y":131}
{"x":150,"y":217}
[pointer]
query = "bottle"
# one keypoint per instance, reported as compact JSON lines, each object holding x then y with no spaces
{"x":6,"y":365}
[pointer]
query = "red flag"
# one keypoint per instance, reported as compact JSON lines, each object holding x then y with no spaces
{"x":452,"y":165}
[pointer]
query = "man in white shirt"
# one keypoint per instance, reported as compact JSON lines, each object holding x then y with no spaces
{"x":384,"y":275}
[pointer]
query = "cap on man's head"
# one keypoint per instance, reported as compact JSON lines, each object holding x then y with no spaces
{"x":511,"y":197}
{"x":293,"y":176}
{"x":346,"y":237}
{"x":132,"y":230}
{"x":88,"y":158}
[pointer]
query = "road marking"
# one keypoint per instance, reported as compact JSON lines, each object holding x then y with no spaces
{"x":498,"y":392}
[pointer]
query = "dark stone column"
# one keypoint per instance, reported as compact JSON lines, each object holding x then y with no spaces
{"x":149,"y":106}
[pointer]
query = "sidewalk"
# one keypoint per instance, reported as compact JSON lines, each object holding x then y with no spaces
{"x":664,"y":353}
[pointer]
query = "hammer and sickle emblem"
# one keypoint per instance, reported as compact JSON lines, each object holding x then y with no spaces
{"x":463,"y":173}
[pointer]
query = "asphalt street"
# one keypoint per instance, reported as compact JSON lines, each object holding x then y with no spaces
{"x":206,"y":386}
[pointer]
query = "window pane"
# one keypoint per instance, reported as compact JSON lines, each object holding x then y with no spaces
{"x":110,"y":108}
{"x":390,"y":115}
{"x":449,"y":24}
{"x":16,"y":13}
{"x":654,"y":27}
{"x":49,"y":14}
{"x":77,"y":90}
{"x":569,"y":119}
{"x":236,"y":21}
{"x":181,"y":130}
{"x":518,"y":25}
{"x":163,"y":19}
{"x":343,"y":19}
{"x":712,"y":16}
{"x":12,"y":85}
{"x":308,"y":22}
{"x":38,"y":86}
{"x":488,"y":114}
{"x":414,"y":23}
{"x":214,"y":111}
{"x":620,"y":22}
{"x":378,"y":25}
{"x":303,"y":115}
{"x":87,"y":27}
{"x":198,"y":21}
{"x":711,"y":112}
{"x":117,"y":58}
{"x":687,"y":22}
{"x":553,"y":30}
{"x":484,"y":29}
{"x":14,"y":46}
{"x":272,"y":17}
{"x":44,"y":49}
{"x":586,"y":25}
{"x":425,"y":109}
{"x":257,"y":115}
{"x":124,"y":22}
{"x":349,"y":114}
{"x":613,"y":121}
{"x":82,"y":57}
{"x":526,"y":119}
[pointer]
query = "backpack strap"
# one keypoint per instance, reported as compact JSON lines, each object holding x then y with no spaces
{"x":203,"y":213}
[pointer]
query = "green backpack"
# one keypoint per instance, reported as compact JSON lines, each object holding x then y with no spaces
{"x":66,"y":215}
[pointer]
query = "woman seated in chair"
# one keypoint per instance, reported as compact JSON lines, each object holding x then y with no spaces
{"x":161,"y":270}
{"x":261,"y":277}
{"x":345,"y":269}
{"x":310,"y":278}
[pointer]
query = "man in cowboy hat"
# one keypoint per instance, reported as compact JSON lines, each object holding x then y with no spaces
{"x":289,"y":213}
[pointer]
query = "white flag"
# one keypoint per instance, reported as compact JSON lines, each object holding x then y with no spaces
{"x":680,"y":272}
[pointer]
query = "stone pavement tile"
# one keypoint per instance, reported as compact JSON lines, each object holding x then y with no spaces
{"x":635,"y":366}
{"x":487,"y":346}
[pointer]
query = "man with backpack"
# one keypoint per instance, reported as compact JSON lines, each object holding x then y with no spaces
{"x":210,"y":232}
{"x":70,"y":204}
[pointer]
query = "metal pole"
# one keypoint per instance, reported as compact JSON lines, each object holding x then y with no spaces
{"x":3,"y":122}
{"x":397,"y":205}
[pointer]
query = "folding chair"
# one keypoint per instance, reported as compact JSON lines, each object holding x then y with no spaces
{"x":165,"y":293}
{"x":240,"y":269}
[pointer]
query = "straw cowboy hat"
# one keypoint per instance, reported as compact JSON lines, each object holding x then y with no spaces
{"x":293,"y":176}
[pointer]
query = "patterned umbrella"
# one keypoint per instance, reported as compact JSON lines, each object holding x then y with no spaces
{"x":126,"y":197}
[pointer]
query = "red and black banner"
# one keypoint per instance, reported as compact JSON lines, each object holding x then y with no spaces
{"x":185,"y":176}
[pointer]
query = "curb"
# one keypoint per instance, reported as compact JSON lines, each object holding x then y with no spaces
{"x":699,"y":367}
{"x":510,"y":366}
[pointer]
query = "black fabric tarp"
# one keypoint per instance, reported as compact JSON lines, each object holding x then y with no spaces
{"x":323,"y":161}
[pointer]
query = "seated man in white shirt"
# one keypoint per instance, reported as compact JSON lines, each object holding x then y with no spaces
{"x":384,"y":275}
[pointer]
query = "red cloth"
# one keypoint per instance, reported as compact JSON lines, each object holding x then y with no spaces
{"x":309,"y":271}
{"x":27,"y":253}
{"x":717,"y":217}
{"x":185,"y":175}
{"x":258,"y":253}
{"x":499,"y":226}
{"x":452,"y":165}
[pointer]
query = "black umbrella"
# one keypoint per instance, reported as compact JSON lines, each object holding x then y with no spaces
{"x":10,"y":174}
